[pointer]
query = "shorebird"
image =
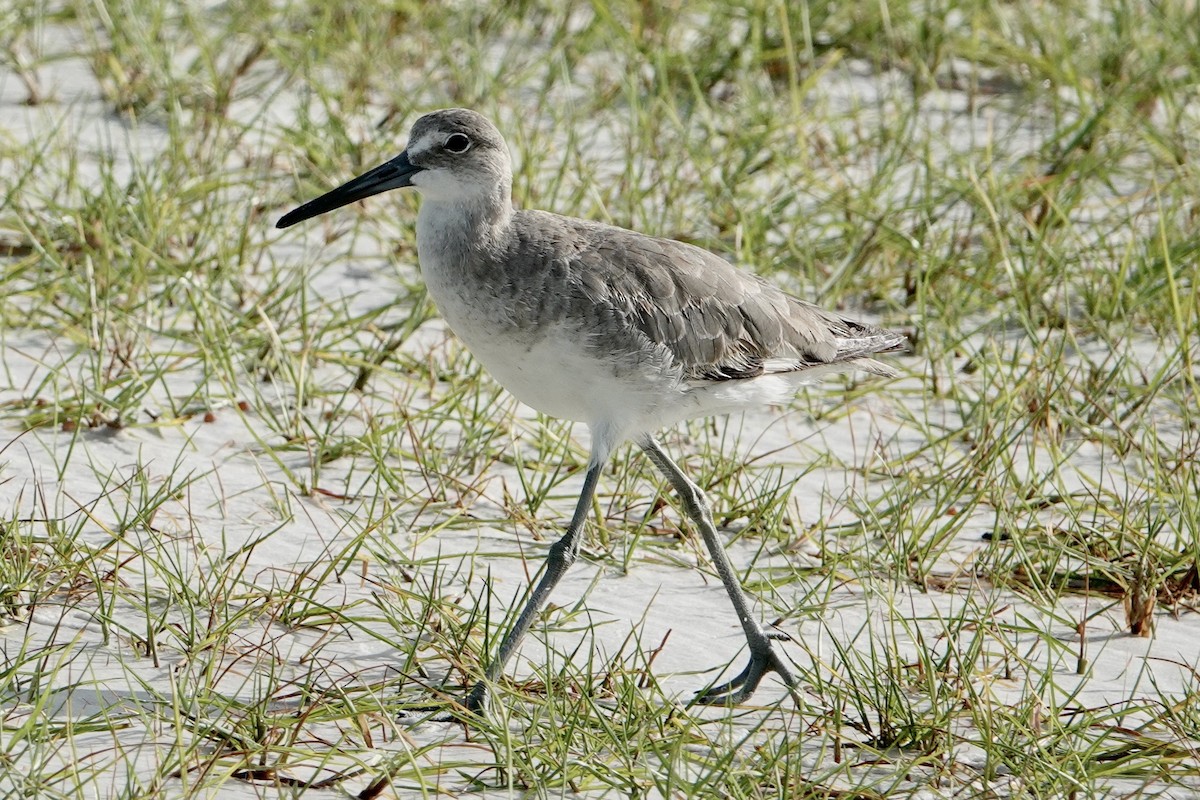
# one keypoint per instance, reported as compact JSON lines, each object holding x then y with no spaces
{"x":624,"y":332}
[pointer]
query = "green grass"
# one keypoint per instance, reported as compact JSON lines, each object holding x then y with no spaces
{"x":257,"y":501}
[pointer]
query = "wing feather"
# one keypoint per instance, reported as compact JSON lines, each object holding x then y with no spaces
{"x":714,"y":321}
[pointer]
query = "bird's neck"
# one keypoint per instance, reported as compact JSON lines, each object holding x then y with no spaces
{"x":463,"y":223}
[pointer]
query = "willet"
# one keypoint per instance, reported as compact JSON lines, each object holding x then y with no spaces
{"x":622,"y":331}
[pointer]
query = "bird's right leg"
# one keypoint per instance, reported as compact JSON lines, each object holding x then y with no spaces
{"x":562,"y":555}
{"x":764,"y":657}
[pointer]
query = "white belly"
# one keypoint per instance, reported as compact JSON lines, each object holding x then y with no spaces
{"x":553,"y":372}
{"x":557,"y":376}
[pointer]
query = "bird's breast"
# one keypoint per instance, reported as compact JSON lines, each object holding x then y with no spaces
{"x":552,"y":359}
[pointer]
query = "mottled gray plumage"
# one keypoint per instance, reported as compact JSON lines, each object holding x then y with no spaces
{"x":717,"y":322}
{"x":620,"y":330}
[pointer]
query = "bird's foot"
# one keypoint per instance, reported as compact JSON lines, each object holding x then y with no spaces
{"x":472,"y":706}
{"x":764,"y":658}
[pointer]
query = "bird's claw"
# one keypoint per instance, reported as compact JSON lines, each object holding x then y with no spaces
{"x":763,"y":659}
{"x":471,"y":707}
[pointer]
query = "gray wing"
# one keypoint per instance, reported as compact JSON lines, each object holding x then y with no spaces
{"x":717,"y":322}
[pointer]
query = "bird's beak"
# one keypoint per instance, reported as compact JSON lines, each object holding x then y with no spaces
{"x":395,"y":174}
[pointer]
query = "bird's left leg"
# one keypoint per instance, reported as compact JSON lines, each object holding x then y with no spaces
{"x":560,"y":558}
{"x":764,"y":657}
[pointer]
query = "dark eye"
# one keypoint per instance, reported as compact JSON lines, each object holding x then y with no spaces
{"x":457,"y":143}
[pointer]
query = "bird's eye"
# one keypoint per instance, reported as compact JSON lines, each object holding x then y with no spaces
{"x":457,"y":143}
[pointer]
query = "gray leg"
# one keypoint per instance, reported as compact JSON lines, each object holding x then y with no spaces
{"x":763,"y":657}
{"x":562,"y":555}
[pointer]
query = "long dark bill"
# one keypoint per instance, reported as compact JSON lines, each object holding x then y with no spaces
{"x":395,"y":174}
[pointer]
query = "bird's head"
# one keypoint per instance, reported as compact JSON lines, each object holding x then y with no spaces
{"x":453,"y":156}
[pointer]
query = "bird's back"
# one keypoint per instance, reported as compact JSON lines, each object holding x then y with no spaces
{"x":709,"y":320}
